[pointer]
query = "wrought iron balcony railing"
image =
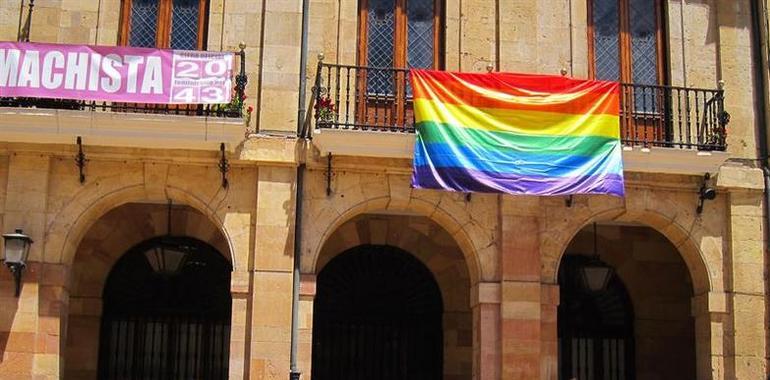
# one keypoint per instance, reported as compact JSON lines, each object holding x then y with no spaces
{"x":211,"y":110}
{"x":379,"y":99}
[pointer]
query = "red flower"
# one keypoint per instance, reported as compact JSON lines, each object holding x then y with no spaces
{"x":250,"y":109}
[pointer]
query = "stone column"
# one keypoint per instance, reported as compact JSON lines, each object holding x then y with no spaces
{"x":239,"y":326}
{"x":26,"y":193}
{"x":307,"y":290}
{"x":280,"y":67}
{"x":271,"y":292}
{"x":549,"y":340}
{"x":53,"y":301}
{"x":485,"y":304}
{"x":744,"y":328}
{"x":521,"y":298}
{"x":710,"y":313}
{"x":746,"y":290}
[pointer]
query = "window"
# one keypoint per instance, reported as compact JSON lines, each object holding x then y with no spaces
{"x":625,"y":41}
{"x":400,"y":34}
{"x":175,"y":24}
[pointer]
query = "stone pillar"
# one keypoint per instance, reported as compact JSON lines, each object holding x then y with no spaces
{"x":26,"y":193}
{"x":306,"y":297}
{"x":746,"y":289}
{"x":521,"y":298}
{"x":239,"y":327}
{"x":478,"y":35}
{"x":271,"y":292}
{"x":485,"y":304}
{"x":710,"y":313}
{"x":53,"y":302}
{"x":280,"y":73}
{"x":549,"y":340}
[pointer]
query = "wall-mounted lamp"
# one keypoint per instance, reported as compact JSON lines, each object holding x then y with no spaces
{"x":706,"y":193}
{"x":15,"y":255}
{"x":595,"y":274}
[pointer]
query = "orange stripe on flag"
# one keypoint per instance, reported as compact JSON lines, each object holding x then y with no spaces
{"x":476,"y":90}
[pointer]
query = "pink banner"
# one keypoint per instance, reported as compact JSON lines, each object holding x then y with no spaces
{"x":115,"y":73}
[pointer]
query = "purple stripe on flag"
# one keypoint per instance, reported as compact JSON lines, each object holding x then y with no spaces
{"x":467,"y":180}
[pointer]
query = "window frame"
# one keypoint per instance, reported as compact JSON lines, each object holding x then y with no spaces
{"x":163,"y":27}
{"x":400,"y":38}
{"x":624,"y":46}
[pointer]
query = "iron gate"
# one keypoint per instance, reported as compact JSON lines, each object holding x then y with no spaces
{"x":166,"y":315}
{"x":377,"y":315}
{"x":596,"y":335}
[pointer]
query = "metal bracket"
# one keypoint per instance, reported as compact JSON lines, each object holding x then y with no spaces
{"x":329,"y":174}
{"x":705,"y":193}
{"x":80,"y":160}
{"x":24,"y":33}
{"x":224,"y":165}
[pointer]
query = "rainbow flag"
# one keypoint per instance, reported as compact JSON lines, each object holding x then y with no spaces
{"x":516,"y":133}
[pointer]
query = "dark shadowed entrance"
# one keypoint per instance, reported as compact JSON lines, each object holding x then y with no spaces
{"x":377,"y":315}
{"x":167,"y":309}
{"x":596,"y":334}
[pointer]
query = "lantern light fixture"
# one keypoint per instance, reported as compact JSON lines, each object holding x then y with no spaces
{"x":15,"y":254}
{"x":595,"y":274}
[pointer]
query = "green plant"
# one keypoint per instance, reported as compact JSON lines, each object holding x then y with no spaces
{"x":326,"y":110}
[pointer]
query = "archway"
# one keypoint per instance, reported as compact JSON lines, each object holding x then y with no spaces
{"x":103,"y":245}
{"x":436,"y":249}
{"x":640,"y":325}
{"x":377,"y":315}
{"x":166,"y":314}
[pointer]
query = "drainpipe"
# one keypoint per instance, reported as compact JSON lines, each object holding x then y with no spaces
{"x":294,"y":373}
{"x":759,"y":56}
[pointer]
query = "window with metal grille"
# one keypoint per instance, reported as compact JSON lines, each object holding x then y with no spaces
{"x":625,"y":40}
{"x":175,"y":24}
{"x":400,"y":34}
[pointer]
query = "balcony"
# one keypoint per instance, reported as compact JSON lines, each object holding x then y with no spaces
{"x":367,"y":111}
{"x":161,"y":126}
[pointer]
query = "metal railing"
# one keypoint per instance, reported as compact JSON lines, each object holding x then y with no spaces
{"x":379,"y":99}
{"x":211,"y":110}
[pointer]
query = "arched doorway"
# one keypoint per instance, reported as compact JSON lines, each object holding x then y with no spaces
{"x":377,"y":315}
{"x":595,"y":328}
{"x":166,"y":314}
{"x":640,"y":326}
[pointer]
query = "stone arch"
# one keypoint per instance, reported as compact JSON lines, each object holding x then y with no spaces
{"x":460,"y":232}
{"x":429,"y":243}
{"x":100,"y":247}
{"x":673,"y":230}
{"x":71,"y":223}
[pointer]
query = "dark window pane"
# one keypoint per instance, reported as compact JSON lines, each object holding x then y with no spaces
{"x":380,"y":29}
{"x":606,"y":21}
{"x":420,"y":33}
{"x":420,"y":36}
{"x":184,"y":24}
{"x":644,"y":52}
{"x":144,"y":23}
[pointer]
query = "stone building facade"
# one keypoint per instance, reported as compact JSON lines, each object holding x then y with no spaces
{"x":691,"y":286}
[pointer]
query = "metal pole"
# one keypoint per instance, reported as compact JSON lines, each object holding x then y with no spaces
{"x":294,"y":373}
